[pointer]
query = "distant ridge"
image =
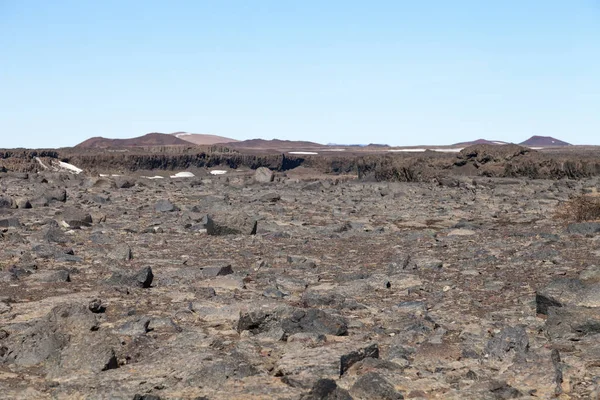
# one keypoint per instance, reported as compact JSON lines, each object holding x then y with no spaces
{"x":357,"y":145}
{"x":544,"y":141}
{"x":480,"y":141}
{"x":151,"y":139}
{"x":274,"y":144}
{"x":202,"y":139}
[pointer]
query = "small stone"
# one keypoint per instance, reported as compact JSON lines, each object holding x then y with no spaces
{"x":96,"y":306}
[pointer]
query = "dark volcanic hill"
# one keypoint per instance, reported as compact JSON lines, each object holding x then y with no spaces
{"x":544,"y":141}
{"x":151,"y":139}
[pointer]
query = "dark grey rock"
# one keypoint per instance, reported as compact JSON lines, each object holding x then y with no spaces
{"x":34,"y":346}
{"x":143,"y":278}
{"x":124,"y":183}
{"x":4,"y":307}
{"x":136,"y":327}
{"x":165,"y":206}
{"x":75,"y":218}
{"x":146,"y":397}
{"x":49,"y":335}
{"x":211,"y":272}
{"x":231,"y":223}
{"x":564,"y":292}
{"x":317,"y":186}
{"x":326,"y":389}
{"x":55,"y":235}
{"x":6,"y":202}
{"x":256,"y":321}
{"x":163,"y":325}
{"x":56,"y":195}
{"x":100,"y":199}
{"x":93,"y":352}
{"x":348,"y":360}
{"x":503,"y":391}
{"x":372,"y":386}
{"x":572,"y":323}
{"x":53,"y":276}
{"x":584,"y":228}
{"x":215,"y":373}
{"x":205,"y":292}
{"x":314,"y":321}
{"x":510,"y":341}
{"x":96,"y":306}
{"x":318,"y":298}
{"x":10,"y":223}
{"x":269,"y":198}
{"x":121,"y":252}
{"x":273,"y":293}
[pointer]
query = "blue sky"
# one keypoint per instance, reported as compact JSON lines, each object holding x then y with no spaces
{"x":397,"y":72}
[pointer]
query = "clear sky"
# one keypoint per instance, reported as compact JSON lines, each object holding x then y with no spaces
{"x":398,"y":72}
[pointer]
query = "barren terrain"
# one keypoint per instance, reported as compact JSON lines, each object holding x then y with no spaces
{"x":297,"y":284}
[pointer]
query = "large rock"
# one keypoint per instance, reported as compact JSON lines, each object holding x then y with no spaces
{"x":143,"y":278}
{"x":74,"y":218}
{"x":124,"y":183}
{"x":165,"y":206}
{"x":308,"y":364}
{"x":572,"y":323}
{"x":121,"y":252}
{"x":372,"y":386}
{"x":231,"y":223}
{"x":217,"y":372}
{"x":56,"y":195}
{"x":564,"y":292}
{"x":50,"y":276}
{"x":263,"y":175}
{"x":584,"y":228}
{"x":6,"y":202}
{"x":314,"y":321}
{"x":23,"y":203}
{"x":509,"y":342}
{"x":92,"y":353}
{"x":290,"y":321}
{"x":10,"y":223}
{"x":348,"y":360}
{"x":48,"y":336}
{"x":212,"y":271}
{"x":326,"y":389}
{"x":55,"y":235}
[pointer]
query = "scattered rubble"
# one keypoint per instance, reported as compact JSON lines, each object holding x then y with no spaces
{"x":261,"y":285}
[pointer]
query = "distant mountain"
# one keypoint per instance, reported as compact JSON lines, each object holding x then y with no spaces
{"x":261,"y":144}
{"x":357,"y":145}
{"x":202,"y":139}
{"x":544,"y":141}
{"x":151,"y":139}
{"x":479,"y":141}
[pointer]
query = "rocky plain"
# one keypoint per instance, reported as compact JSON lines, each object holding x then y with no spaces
{"x":261,"y":284}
